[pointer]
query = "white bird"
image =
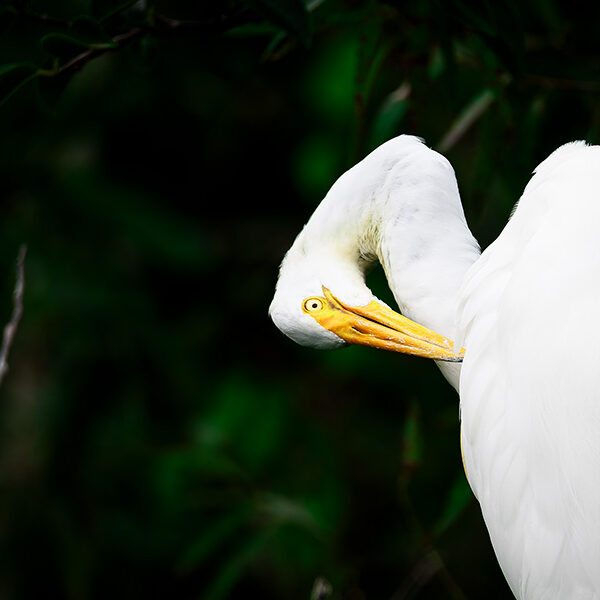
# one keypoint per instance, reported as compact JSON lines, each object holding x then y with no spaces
{"x":527,"y":311}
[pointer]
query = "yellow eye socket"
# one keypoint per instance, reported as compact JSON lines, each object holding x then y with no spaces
{"x":313,"y":304}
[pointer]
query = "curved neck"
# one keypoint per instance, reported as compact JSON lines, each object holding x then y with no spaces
{"x":401,"y":207}
{"x":425,"y":273}
{"x":404,"y":211}
{"x":425,"y":276}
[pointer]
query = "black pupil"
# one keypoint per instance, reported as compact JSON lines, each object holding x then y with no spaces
{"x":315,"y":305}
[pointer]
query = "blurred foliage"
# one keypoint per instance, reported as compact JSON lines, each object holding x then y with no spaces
{"x":159,"y":437}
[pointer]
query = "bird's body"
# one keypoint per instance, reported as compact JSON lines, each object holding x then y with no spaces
{"x":526,"y":312}
{"x":530,"y":382}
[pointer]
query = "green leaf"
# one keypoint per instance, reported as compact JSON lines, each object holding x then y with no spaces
{"x":370,"y":53}
{"x":276,"y":48}
{"x":388,"y":120}
{"x":437,"y":63}
{"x":90,"y":31}
{"x":279,"y":509}
{"x":50,"y":88}
{"x":15,"y":76}
{"x":290,"y":14}
{"x":83,"y":34}
{"x":411,"y":439}
{"x":213,"y":537}
{"x":231,"y":571}
{"x":458,"y":499}
{"x":467,"y":117}
{"x":66,"y":45}
{"x":144,"y":52}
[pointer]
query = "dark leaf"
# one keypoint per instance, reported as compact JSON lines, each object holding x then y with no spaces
{"x":143,"y":53}
{"x":90,"y":31}
{"x":7,"y":17}
{"x":231,"y":571}
{"x":370,"y":54}
{"x":212,"y":538}
{"x":62,"y":45}
{"x":14,"y":76}
{"x":50,"y":88}
{"x":388,"y":120}
{"x":465,"y":120}
{"x":279,"y":509}
{"x":277,"y":47}
{"x":103,"y":9}
{"x":250,"y":30}
{"x":458,"y":499}
{"x":411,"y":439}
{"x":290,"y":14}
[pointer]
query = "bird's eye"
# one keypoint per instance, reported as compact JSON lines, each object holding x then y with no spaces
{"x":313,"y":304}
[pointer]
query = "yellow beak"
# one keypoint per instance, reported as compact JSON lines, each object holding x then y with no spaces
{"x":378,"y":326}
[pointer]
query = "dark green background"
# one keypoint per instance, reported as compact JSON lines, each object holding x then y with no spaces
{"x":159,"y":438}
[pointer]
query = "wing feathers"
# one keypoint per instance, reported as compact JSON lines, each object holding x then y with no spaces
{"x":529,"y":318}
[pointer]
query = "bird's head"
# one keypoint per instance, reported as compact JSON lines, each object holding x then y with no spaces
{"x":326,"y":304}
{"x":297,"y":298}
{"x":395,"y":207}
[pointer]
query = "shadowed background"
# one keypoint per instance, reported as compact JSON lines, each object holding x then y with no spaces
{"x":158,"y":436}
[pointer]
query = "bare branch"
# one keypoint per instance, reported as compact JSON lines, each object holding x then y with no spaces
{"x":41,"y":18}
{"x":422,"y":573}
{"x":11,"y":327}
{"x":211,"y":26}
{"x":321,"y":589}
{"x":563,"y":84}
{"x":466,"y":119}
{"x":80,"y":60}
{"x":163,"y":26}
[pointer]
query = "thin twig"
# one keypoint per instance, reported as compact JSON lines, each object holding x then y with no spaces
{"x":431,"y":564}
{"x":163,"y":25}
{"x":321,"y":589}
{"x":466,"y":119}
{"x":563,"y":84}
{"x":421,"y":574}
{"x":11,"y":327}
{"x":27,"y":15}
{"x":81,"y":59}
{"x":45,"y":19}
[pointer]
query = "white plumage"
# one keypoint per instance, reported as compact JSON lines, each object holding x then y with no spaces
{"x":528,"y":313}
{"x":530,"y":384}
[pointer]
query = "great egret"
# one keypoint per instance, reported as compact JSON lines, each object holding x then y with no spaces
{"x":526,"y":311}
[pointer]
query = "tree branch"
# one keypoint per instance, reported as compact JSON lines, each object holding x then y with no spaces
{"x":28,"y":15}
{"x":82,"y":59}
{"x":162,"y":25}
{"x":321,"y":589}
{"x":564,"y":84}
{"x":11,"y":327}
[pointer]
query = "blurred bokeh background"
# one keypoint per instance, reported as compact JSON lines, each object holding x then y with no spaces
{"x":159,"y":438}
